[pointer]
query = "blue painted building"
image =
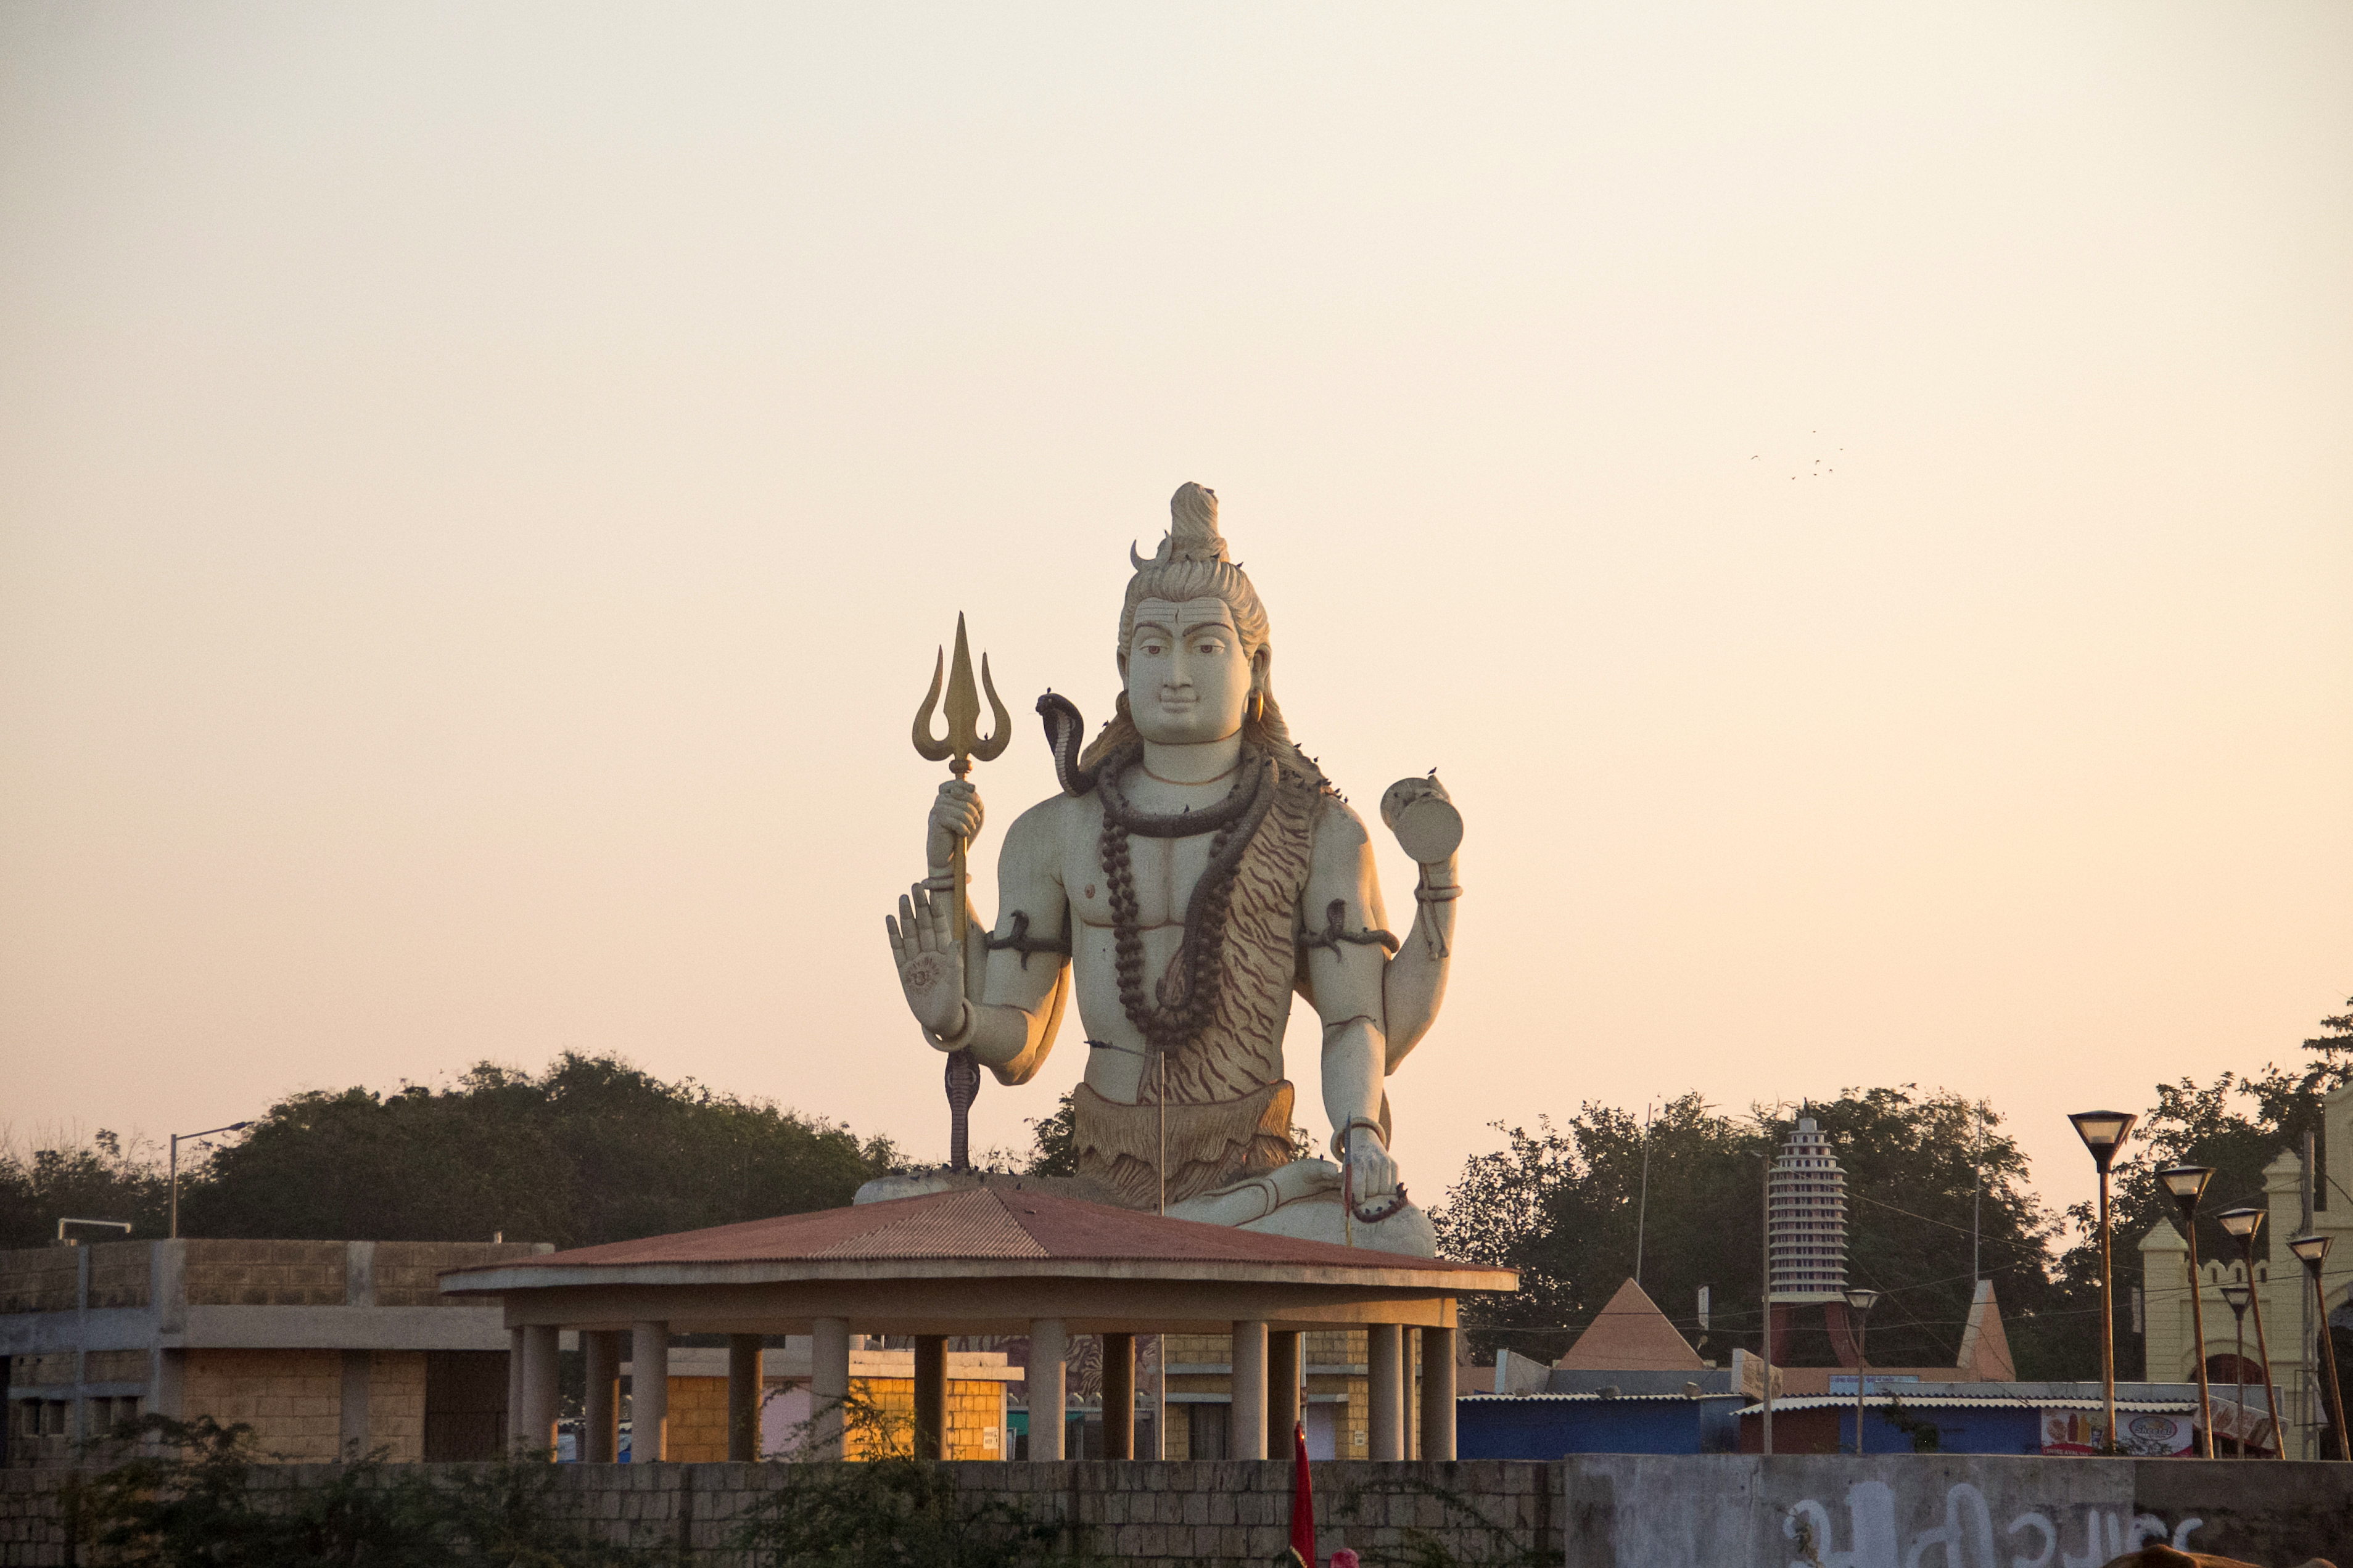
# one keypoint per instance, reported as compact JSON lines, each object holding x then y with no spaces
{"x":1548,"y":1425}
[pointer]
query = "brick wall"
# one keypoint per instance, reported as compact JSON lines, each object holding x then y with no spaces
{"x":1597,"y":1511}
{"x":41,"y":1371}
{"x":119,"y":1274}
{"x":975,"y":1415}
{"x":396,"y":1405}
{"x":266,"y":1274}
{"x":115,"y":1366}
{"x":407,"y":1273}
{"x":39,"y":1279}
{"x":293,"y":1400}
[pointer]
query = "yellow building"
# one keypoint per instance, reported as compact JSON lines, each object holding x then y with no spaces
{"x":2291,"y":1318}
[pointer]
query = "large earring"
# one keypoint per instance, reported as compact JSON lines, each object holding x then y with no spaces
{"x":1258,"y":706}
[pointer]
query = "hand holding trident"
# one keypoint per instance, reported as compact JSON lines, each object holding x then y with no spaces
{"x":928,"y":943}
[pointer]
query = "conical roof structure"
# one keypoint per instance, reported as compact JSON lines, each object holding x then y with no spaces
{"x":1985,"y":1349}
{"x":1631,"y":1335}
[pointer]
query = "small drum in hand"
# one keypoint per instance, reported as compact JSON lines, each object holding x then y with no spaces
{"x":1419,"y":812}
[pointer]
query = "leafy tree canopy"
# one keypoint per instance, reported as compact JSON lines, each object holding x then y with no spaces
{"x":592,"y":1150}
{"x":99,"y":1180}
{"x":1563,"y":1205}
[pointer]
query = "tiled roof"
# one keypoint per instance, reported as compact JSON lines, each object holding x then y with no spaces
{"x":1000,"y":1221}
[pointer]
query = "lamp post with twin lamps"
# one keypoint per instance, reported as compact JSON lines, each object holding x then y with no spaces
{"x":2103,"y":1132}
{"x":2185,"y":1184}
{"x":2312,"y":1252}
{"x":1859,"y":1303}
{"x":2241,"y":1226}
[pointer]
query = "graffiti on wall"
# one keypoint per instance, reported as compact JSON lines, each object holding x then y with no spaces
{"x":1971,"y":1535}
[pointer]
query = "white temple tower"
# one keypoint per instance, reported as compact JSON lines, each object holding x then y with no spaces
{"x":1806,"y":1232}
{"x":1807,"y":1223}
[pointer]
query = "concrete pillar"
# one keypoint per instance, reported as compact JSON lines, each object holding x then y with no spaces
{"x":649,"y":1391}
{"x":1119,"y":1396}
{"x":829,"y":1384}
{"x":1249,"y":1440}
{"x":540,"y":1393}
{"x":352,"y":1437}
{"x":1049,"y":1343}
{"x":743,"y":1397}
{"x":1283,"y":1381}
{"x":1385,"y":1390}
{"x":600,"y":1440}
{"x":1438,"y":1394}
{"x":930,"y":1397}
{"x":514,"y":1388}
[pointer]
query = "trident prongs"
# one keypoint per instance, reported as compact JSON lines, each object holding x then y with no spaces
{"x":963,"y":741}
{"x":964,"y":745}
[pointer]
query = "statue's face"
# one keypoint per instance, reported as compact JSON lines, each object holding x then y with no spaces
{"x":1189,"y":680}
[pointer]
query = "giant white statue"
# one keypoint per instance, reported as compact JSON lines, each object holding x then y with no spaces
{"x":1197,"y":868}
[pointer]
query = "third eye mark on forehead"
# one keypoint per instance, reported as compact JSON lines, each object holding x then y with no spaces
{"x":1189,"y":616}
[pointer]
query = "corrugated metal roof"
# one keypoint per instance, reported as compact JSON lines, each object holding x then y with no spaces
{"x":1599,"y":1399}
{"x":1976,"y":1402}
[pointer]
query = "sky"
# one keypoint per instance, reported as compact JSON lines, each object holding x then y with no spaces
{"x":1856,"y":503}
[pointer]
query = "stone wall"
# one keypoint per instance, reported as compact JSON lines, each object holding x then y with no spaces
{"x":395,"y":1408}
{"x":409,"y":1273}
{"x":121,"y":1273}
{"x":293,"y":1400}
{"x":1593,"y":1511}
{"x":43,"y":1279}
{"x":266,"y":1273}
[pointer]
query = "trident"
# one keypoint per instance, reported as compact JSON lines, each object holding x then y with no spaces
{"x":960,"y":749}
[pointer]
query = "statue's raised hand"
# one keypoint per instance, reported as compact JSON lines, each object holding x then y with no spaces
{"x":955,"y":814}
{"x":931,"y":965}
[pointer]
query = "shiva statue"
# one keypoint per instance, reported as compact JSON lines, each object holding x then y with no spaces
{"x":1197,"y":868}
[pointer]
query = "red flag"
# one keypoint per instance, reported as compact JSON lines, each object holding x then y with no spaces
{"x":1303,"y":1501}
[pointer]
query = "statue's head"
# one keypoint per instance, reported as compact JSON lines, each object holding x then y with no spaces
{"x":1195,"y":660}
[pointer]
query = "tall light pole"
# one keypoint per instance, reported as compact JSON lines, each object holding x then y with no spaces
{"x":1859,"y":1303}
{"x":2241,"y":1225}
{"x":2312,"y":1252}
{"x":2237,"y":1295}
{"x":2184,"y":1184}
{"x":2103,"y":1132}
{"x":232,"y":1127}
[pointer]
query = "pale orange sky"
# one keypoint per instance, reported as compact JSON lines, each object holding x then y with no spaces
{"x":483,"y":484}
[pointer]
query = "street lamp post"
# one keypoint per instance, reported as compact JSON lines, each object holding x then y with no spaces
{"x":1859,"y":1303}
{"x":232,"y":1127}
{"x":2184,"y":1184}
{"x":2313,"y":1251}
{"x":1765,"y":1340}
{"x":2238,"y":1295}
{"x":2103,"y":1132}
{"x":2241,"y":1226}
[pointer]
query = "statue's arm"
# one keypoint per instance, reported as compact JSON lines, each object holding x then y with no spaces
{"x":1345,"y":975}
{"x":1414,"y":983}
{"x":1016,"y":996}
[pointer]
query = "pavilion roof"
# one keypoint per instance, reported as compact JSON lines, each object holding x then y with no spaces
{"x":1019,"y":1228}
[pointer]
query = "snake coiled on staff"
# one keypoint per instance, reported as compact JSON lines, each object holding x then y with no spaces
{"x":1183,"y":1001}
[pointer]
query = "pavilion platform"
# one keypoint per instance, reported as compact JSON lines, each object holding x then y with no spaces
{"x":1004,"y":1255}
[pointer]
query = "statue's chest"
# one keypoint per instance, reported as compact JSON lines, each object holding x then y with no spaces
{"x":1162,"y":873}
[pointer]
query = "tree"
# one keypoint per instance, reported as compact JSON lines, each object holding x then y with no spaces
{"x":100,"y":1180}
{"x":591,"y":1151}
{"x":1563,"y":1206}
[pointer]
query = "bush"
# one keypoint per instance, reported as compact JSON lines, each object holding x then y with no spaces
{"x":188,"y":1502}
